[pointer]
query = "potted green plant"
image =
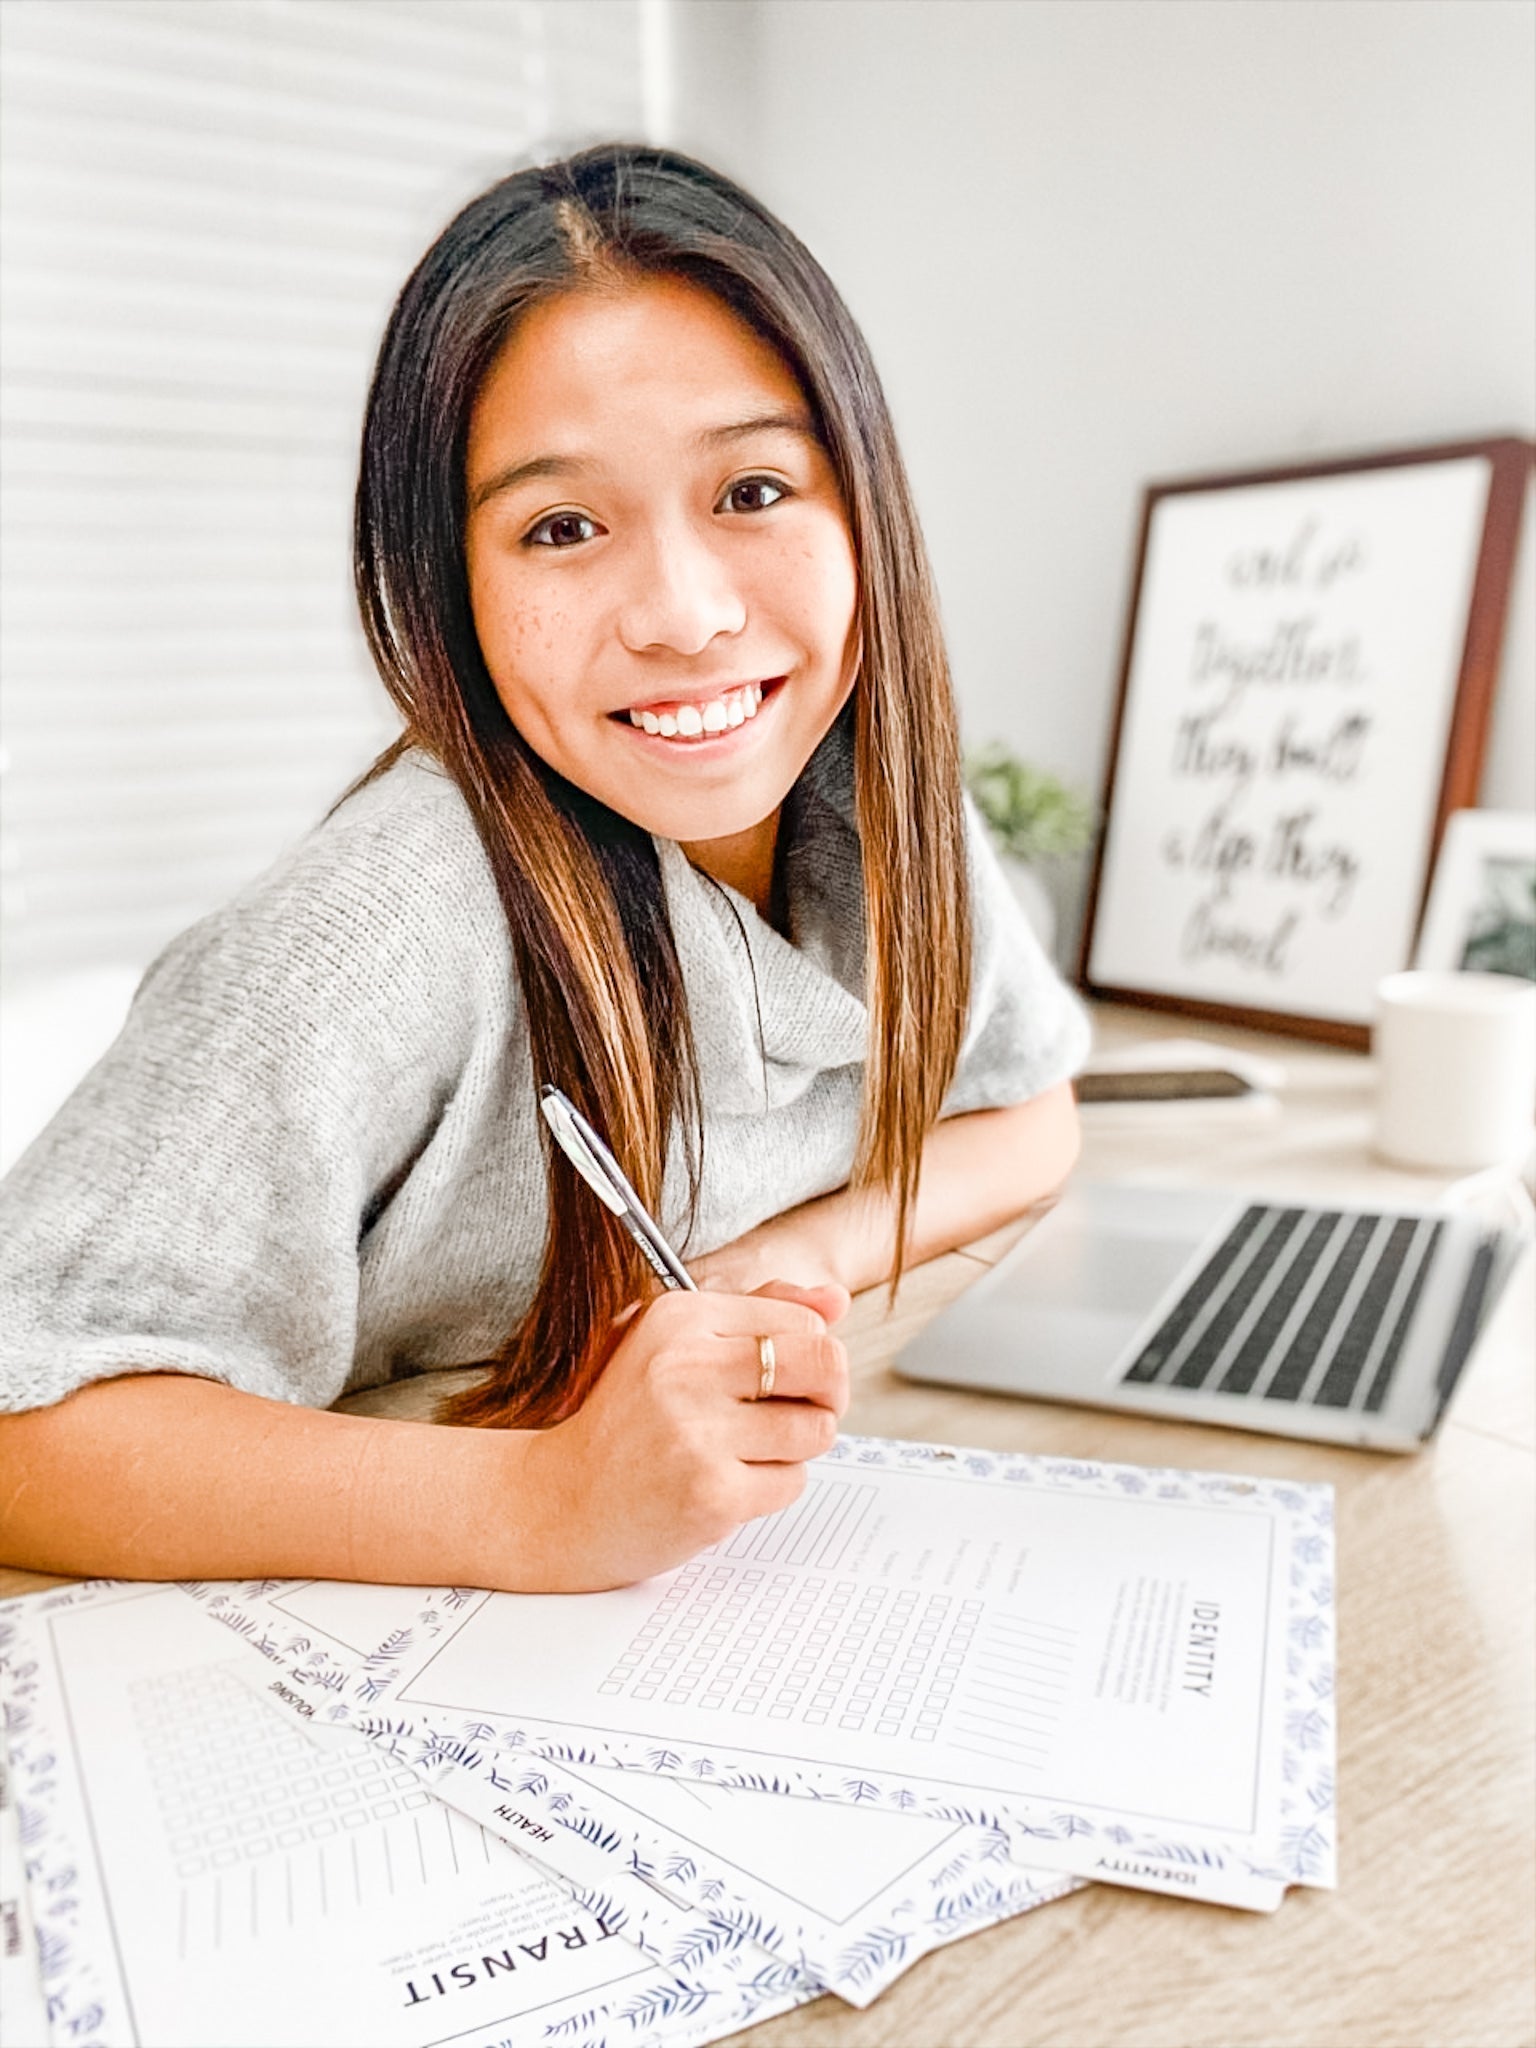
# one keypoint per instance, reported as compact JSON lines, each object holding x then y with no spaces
{"x":1038,"y":823}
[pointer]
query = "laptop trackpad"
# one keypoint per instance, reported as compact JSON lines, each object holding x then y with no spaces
{"x":1111,"y":1273}
{"x":1062,"y":1310}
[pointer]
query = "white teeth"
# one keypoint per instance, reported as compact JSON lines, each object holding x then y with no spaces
{"x":694,"y":721}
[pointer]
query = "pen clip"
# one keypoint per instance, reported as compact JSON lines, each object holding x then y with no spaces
{"x":607,"y":1180}
{"x":561,"y":1118}
{"x":604,"y":1176}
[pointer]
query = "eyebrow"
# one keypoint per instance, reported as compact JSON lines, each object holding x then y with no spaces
{"x":712,"y":437}
{"x":760,"y":423}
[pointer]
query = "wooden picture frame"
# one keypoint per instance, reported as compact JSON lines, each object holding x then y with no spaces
{"x":1309,"y":666}
{"x":1481,"y":914}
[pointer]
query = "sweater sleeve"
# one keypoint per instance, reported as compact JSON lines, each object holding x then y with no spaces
{"x":1027,"y":1031}
{"x":196,"y":1205}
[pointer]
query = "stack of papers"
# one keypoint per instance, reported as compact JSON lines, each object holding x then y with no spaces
{"x":943,"y":1688}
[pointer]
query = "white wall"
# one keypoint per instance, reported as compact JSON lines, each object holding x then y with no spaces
{"x":1098,"y":242}
{"x":209,"y":206}
{"x":207,"y":212}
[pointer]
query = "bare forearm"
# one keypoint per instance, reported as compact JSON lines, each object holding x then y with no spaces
{"x":162,"y":1476}
{"x":979,"y":1171}
{"x":982,"y":1170}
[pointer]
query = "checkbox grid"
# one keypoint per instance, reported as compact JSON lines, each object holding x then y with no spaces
{"x":814,"y":1648}
{"x":280,"y":1791}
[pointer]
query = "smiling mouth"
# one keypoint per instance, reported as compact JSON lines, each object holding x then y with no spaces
{"x":692,"y":722}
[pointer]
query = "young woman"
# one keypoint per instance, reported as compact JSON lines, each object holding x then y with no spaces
{"x":676,"y":823}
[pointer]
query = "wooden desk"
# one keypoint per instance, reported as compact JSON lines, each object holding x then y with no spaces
{"x":1428,"y":1941}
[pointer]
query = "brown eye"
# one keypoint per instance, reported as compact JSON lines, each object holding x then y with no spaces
{"x":754,"y":494}
{"x":561,"y":530}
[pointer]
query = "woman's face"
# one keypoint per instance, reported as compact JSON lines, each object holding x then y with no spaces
{"x":660,"y":567}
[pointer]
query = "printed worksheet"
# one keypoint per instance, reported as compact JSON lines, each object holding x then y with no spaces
{"x":204,"y":1873}
{"x":1133,"y":1670}
{"x":850,"y":1898}
{"x":23,"y":2015}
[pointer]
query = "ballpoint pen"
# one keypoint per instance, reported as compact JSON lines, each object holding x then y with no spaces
{"x":603,"y":1174}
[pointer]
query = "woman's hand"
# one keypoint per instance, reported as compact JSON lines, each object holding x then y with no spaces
{"x":672,"y":1449}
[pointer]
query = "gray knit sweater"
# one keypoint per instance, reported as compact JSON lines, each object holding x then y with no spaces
{"x":310,"y":1163}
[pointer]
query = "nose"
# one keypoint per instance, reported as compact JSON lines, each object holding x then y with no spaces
{"x":681,"y":594}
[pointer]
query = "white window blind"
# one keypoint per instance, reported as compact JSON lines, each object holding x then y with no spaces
{"x":208,"y":207}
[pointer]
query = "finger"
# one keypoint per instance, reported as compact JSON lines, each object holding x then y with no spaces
{"x":786,"y":1433}
{"x":813,"y":1369}
{"x":736,"y":1315}
{"x":827,"y":1298}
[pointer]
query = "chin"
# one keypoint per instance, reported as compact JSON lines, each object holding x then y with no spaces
{"x":696,"y":817}
{"x":700,"y":830}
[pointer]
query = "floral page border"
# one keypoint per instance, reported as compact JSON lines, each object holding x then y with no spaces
{"x":976,"y":1887}
{"x":702,"y":1996}
{"x":587,"y":1841}
{"x":85,"y":2002}
{"x":22,"y":2006}
{"x":978,"y":1883}
{"x":309,"y":1681}
{"x":1189,"y":1862}
{"x":472,"y":1766}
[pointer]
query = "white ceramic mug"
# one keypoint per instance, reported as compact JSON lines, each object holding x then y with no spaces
{"x":1456,"y":1069}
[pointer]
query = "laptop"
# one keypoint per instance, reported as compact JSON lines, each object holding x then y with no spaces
{"x":1349,"y":1325}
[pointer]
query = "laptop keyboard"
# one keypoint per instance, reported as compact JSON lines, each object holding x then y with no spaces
{"x":1304,"y":1305}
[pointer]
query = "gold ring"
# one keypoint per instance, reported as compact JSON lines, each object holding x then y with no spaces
{"x":767,"y":1368}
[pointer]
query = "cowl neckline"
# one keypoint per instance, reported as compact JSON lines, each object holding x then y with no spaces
{"x":771,"y":1011}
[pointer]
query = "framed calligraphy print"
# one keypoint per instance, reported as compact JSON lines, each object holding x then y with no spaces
{"x":1309,"y":669}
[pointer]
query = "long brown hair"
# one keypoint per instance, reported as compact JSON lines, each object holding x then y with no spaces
{"x":600,"y":982}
